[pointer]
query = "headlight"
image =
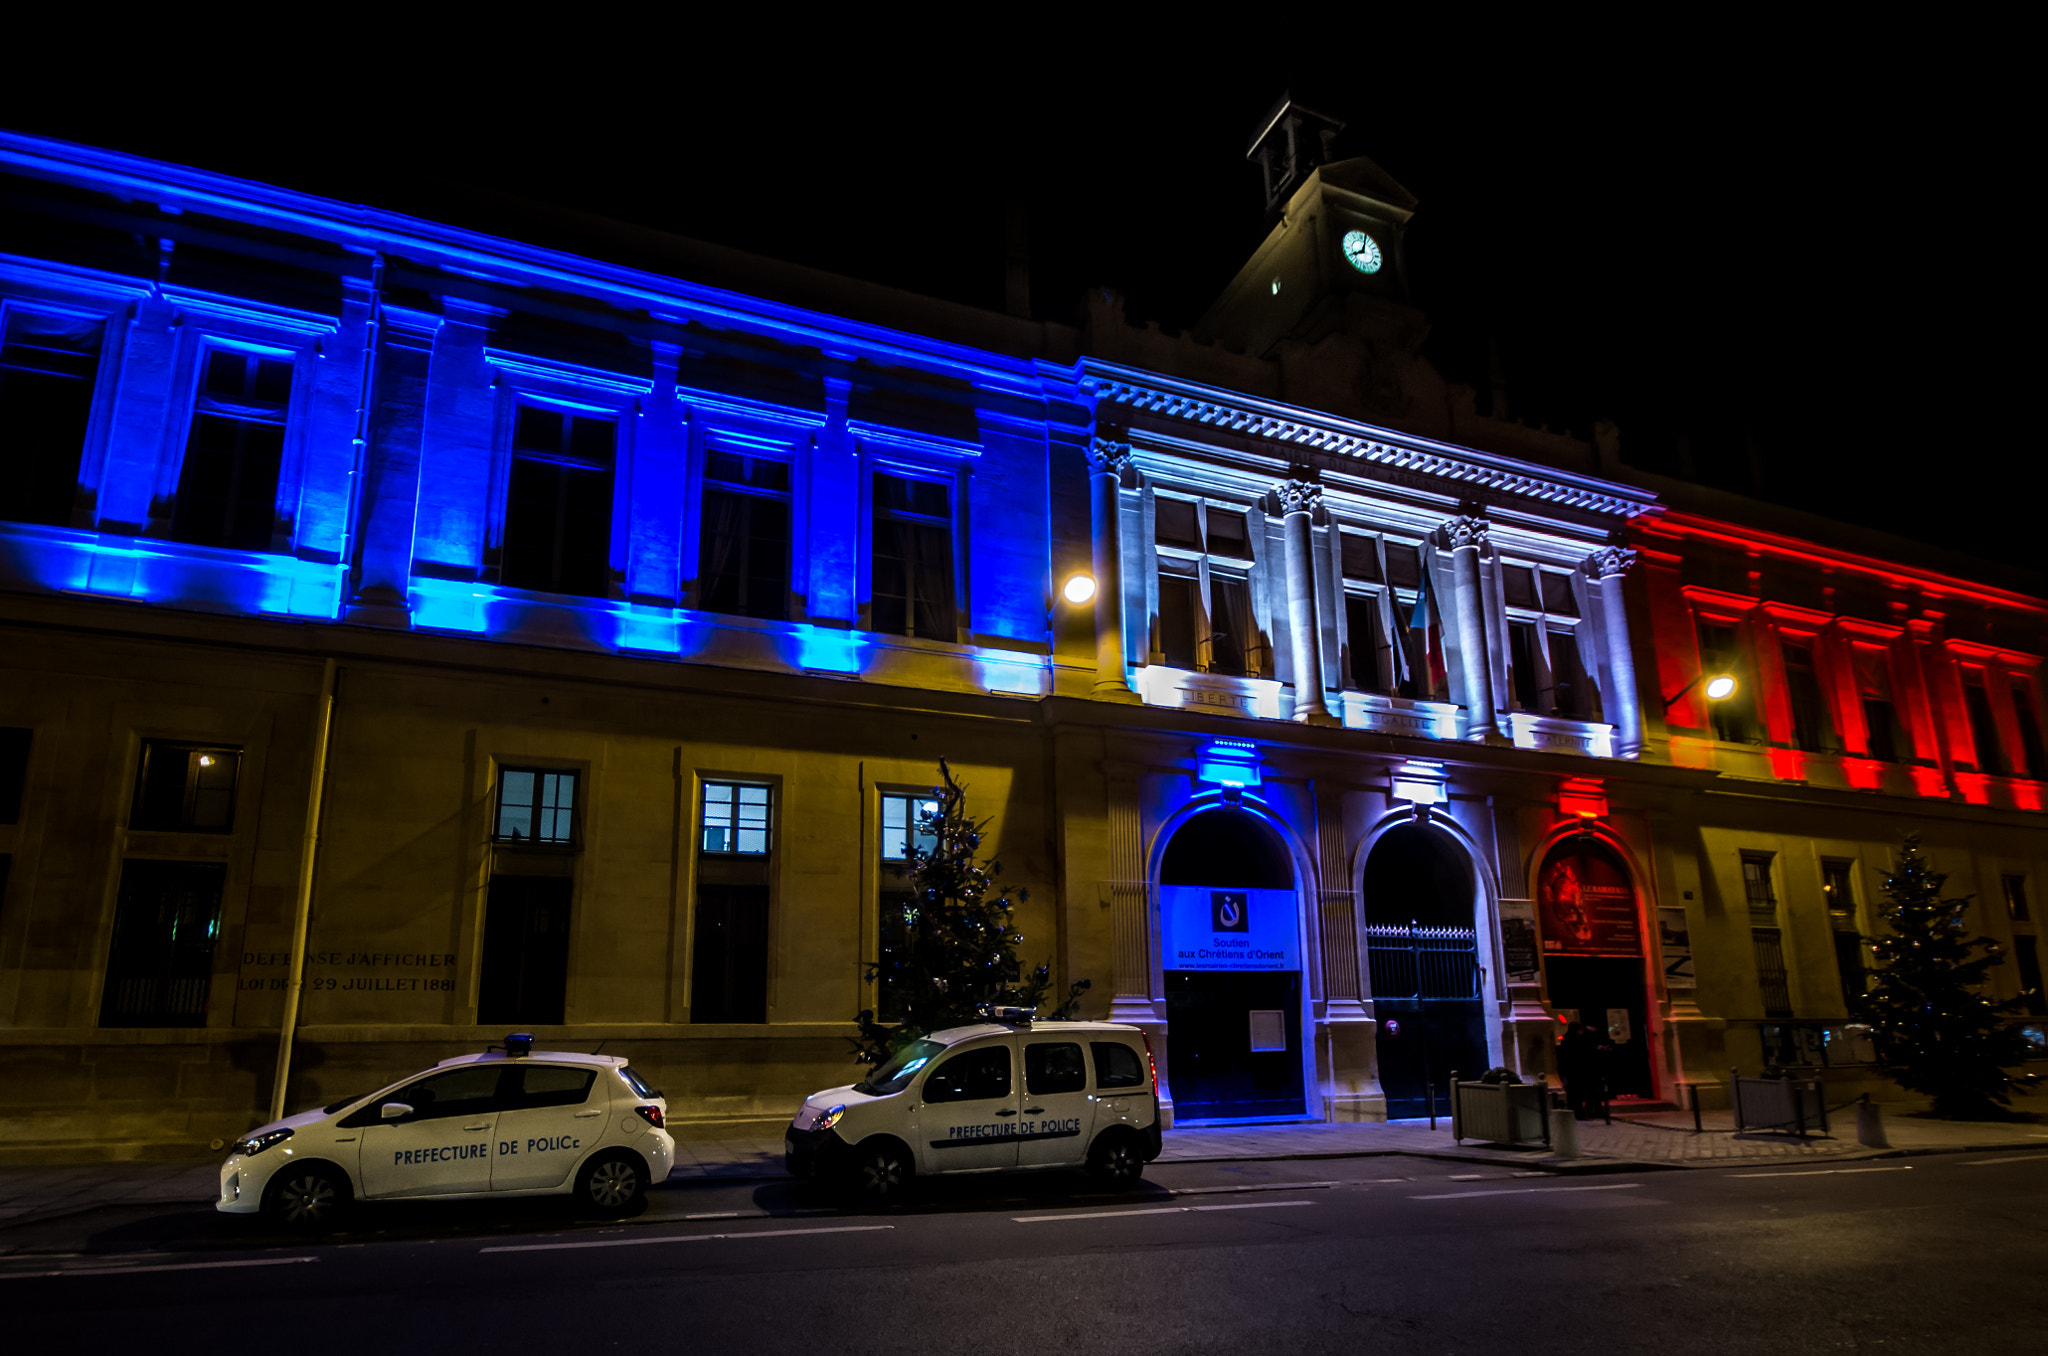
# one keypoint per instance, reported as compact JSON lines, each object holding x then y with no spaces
{"x":830,"y":1118}
{"x":256,"y":1144}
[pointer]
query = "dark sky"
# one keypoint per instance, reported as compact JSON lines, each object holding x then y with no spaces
{"x":1801,"y":251}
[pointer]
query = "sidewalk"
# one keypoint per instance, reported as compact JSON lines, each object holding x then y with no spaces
{"x":753,"y":1151}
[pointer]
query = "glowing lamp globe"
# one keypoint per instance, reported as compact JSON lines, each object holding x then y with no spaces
{"x":1079,"y":589}
{"x":1720,"y":688}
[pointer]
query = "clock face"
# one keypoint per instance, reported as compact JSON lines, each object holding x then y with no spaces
{"x":1362,"y":251}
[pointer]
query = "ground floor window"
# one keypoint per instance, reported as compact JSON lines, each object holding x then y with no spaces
{"x":161,"y":963}
{"x":526,"y":951}
{"x":729,"y":956}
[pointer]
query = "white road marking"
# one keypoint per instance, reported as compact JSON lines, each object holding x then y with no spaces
{"x":685,"y":1238}
{"x":2016,"y":1158}
{"x":1262,"y":1186}
{"x":1821,"y":1172}
{"x":1523,"y":1191}
{"x":169,"y":1266}
{"x":1157,"y":1210}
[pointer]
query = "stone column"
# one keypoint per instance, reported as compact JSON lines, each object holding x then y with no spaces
{"x":1475,"y":689}
{"x":1624,"y":707}
{"x":1107,"y":458}
{"x":1298,"y":502}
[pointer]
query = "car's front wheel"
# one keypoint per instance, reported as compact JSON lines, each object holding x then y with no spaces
{"x":307,"y":1198}
{"x":611,"y":1185}
{"x":880,"y":1174}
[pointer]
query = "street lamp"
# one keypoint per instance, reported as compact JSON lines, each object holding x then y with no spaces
{"x":1720,"y":687}
{"x":1079,"y":589}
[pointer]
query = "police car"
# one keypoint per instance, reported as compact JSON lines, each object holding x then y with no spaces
{"x":515,"y":1123}
{"x":1010,"y":1093}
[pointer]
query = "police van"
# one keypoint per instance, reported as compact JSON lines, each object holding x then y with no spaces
{"x":1009,"y":1093}
{"x":510,"y":1123}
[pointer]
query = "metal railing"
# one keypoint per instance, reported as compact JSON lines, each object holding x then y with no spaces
{"x":1410,"y":960}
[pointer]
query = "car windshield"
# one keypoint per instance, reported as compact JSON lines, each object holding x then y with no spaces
{"x":895,"y":1076}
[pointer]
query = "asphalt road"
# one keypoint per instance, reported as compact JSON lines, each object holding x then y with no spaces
{"x":1934,"y":1254}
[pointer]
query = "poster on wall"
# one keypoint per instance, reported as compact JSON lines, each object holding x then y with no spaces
{"x":1210,"y":929}
{"x":1585,"y":904}
{"x":1518,"y":940}
{"x":1675,"y":941}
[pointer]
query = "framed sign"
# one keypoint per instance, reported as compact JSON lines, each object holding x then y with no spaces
{"x":1584,"y":902}
{"x":1208,"y":929}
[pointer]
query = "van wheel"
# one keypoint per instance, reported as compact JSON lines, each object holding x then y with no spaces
{"x":612,"y":1185}
{"x":1115,"y":1160}
{"x":307,"y":1199}
{"x":880,"y":1175}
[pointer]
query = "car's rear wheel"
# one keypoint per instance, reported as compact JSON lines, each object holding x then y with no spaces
{"x":612,"y":1185}
{"x":880,"y":1174}
{"x":1116,"y":1160}
{"x":308,"y":1198}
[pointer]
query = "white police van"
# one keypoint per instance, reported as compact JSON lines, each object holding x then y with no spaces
{"x":1010,"y":1093}
{"x":515,"y":1123}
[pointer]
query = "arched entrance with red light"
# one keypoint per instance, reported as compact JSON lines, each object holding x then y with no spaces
{"x":1591,"y":924}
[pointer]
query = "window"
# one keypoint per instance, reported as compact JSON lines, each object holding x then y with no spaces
{"x":1571,"y":693}
{"x":471,"y":1091}
{"x":913,"y":559}
{"x":1362,"y":626}
{"x":1051,"y":1068}
{"x":558,"y":514}
{"x":2030,"y":731}
{"x":536,"y":806}
{"x":1810,"y":728}
{"x":1880,"y":715}
{"x":978,"y":1075}
{"x":743,"y":568}
{"x":1836,"y":889}
{"x":1174,"y":523}
{"x":2015,"y":897}
{"x":227,"y":489}
{"x":1522,"y":663}
{"x":1360,"y":557}
{"x":1205,"y":613}
{"x":544,"y":1085}
{"x":1756,"y":882}
{"x":1849,"y":966}
{"x":160,"y":965}
{"x":1772,"y":980}
{"x":1518,"y":586}
{"x":185,"y":788}
{"x":2028,"y":958}
{"x":1234,"y":646}
{"x":525,"y":972}
{"x":1178,"y":619}
{"x":903,"y":826}
{"x":736,"y":819}
{"x":47,"y":366}
{"x":14,"y":746}
{"x":1228,"y":536}
{"x":1721,"y":653}
{"x":1983,"y":727}
{"x":1558,"y":599}
{"x":1117,"y":1065}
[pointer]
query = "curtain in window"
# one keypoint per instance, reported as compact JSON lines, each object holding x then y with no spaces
{"x":1233,"y":646}
{"x":931,"y":576}
{"x":724,"y":528}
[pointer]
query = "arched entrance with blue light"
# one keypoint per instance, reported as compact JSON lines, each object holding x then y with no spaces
{"x":1233,"y":967}
{"x":1423,"y":951}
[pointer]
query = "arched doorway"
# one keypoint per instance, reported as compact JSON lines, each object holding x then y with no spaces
{"x":1424,"y":956}
{"x":1230,"y":946}
{"x":1593,"y":955}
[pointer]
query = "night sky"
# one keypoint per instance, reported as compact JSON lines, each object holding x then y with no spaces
{"x":1800,"y":252}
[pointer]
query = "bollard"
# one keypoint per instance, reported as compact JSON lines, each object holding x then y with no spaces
{"x":1870,"y":1124}
{"x":1564,"y":1133}
{"x":1693,"y":1089}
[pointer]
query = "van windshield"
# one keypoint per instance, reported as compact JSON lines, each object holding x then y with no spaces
{"x":895,"y":1076}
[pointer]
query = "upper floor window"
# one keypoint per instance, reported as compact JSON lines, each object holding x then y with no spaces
{"x":1205,"y":601}
{"x":558,"y":515}
{"x":535,"y":805}
{"x":1756,"y":882}
{"x":47,"y":366}
{"x":227,"y":488}
{"x":736,"y":818}
{"x":1721,"y":653}
{"x":743,"y":568}
{"x":1887,"y":737}
{"x":185,"y":788}
{"x":2030,"y":730}
{"x":1810,"y":726}
{"x":2015,"y":898}
{"x":1983,"y":725}
{"x":1835,"y":886}
{"x":905,"y":826}
{"x":913,"y":565}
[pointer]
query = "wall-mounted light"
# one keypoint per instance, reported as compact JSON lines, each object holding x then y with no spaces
{"x":1232,"y":764}
{"x":1079,"y":589}
{"x":1720,"y":687}
{"x":1420,"y":782}
{"x":206,"y":760}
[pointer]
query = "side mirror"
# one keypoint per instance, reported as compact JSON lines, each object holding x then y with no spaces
{"x":395,"y":1111}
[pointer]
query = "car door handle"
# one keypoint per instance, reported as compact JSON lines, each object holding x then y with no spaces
{"x":485,"y":1126}
{"x":1007,"y":1111}
{"x":586,"y":1115}
{"x":1034,"y":1110}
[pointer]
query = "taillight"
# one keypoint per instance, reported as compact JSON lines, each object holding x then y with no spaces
{"x":650,"y":1114}
{"x":1148,"y":1062}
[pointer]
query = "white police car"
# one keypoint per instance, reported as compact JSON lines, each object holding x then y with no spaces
{"x":510,"y":1124}
{"x":1012,"y":1093}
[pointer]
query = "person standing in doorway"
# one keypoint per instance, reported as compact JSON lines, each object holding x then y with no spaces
{"x":1578,"y":1065}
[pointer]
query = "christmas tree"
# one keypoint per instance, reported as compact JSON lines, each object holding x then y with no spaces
{"x":1937,"y":1033}
{"x":950,"y":954}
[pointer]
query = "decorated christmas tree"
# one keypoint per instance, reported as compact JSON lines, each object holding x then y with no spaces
{"x":950,"y":954}
{"x":1937,"y":1032}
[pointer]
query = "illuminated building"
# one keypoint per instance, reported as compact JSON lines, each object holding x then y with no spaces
{"x":655,"y":579}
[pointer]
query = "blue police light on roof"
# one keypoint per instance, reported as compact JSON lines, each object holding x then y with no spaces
{"x":519,"y":1044}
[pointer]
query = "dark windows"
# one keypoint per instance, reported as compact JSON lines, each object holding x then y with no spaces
{"x":913,"y":558}
{"x":905,"y":826}
{"x":47,"y":366}
{"x":544,"y":1085}
{"x":1054,"y":1067}
{"x":227,"y":489}
{"x":2015,"y":897}
{"x":2030,"y":731}
{"x":1835,"y":887}
{"x":1179,"y":620}
{"x":1802,"y":686}
{"x":1756,"y":882}
{"x":743,"y":567}
{"x":975,"y":1076}
{"x":1117,"y":1065}
{"x":536,"y":805}
{"x":1721,"y":655}
{"x":526,"y":950}
{"x":1849,"y":966}
{"x":558,"y":514}
{"x":1518,"y":586}
{"x":1228,"y":535}
{"x":1360,"y":557}
{"x":1880,"y":715}
{"x":2026,"y":955}
{"x":471,"y":1091}
{"x":1233,"y":640}
{"x":1404,"y":566}
{"x":1174,"y":524}
{"x":185,"y":788}
{"x":1522,"y":664}
{"x":1983,"y":727}
{"x":160,"y":965}
{"x":1362,"y":625}
{"x":1571,"y":694}
{"x":1558,"y":599}
{"x":905,"y":829}
{"x":14,"y":747}
{"x":736,"y":818}
{"x":1771,"y":978}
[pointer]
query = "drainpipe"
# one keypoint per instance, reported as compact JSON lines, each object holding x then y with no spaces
{"x":302,"y":914}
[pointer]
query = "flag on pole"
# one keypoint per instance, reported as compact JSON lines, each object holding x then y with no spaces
{"x":1426,"y":621}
